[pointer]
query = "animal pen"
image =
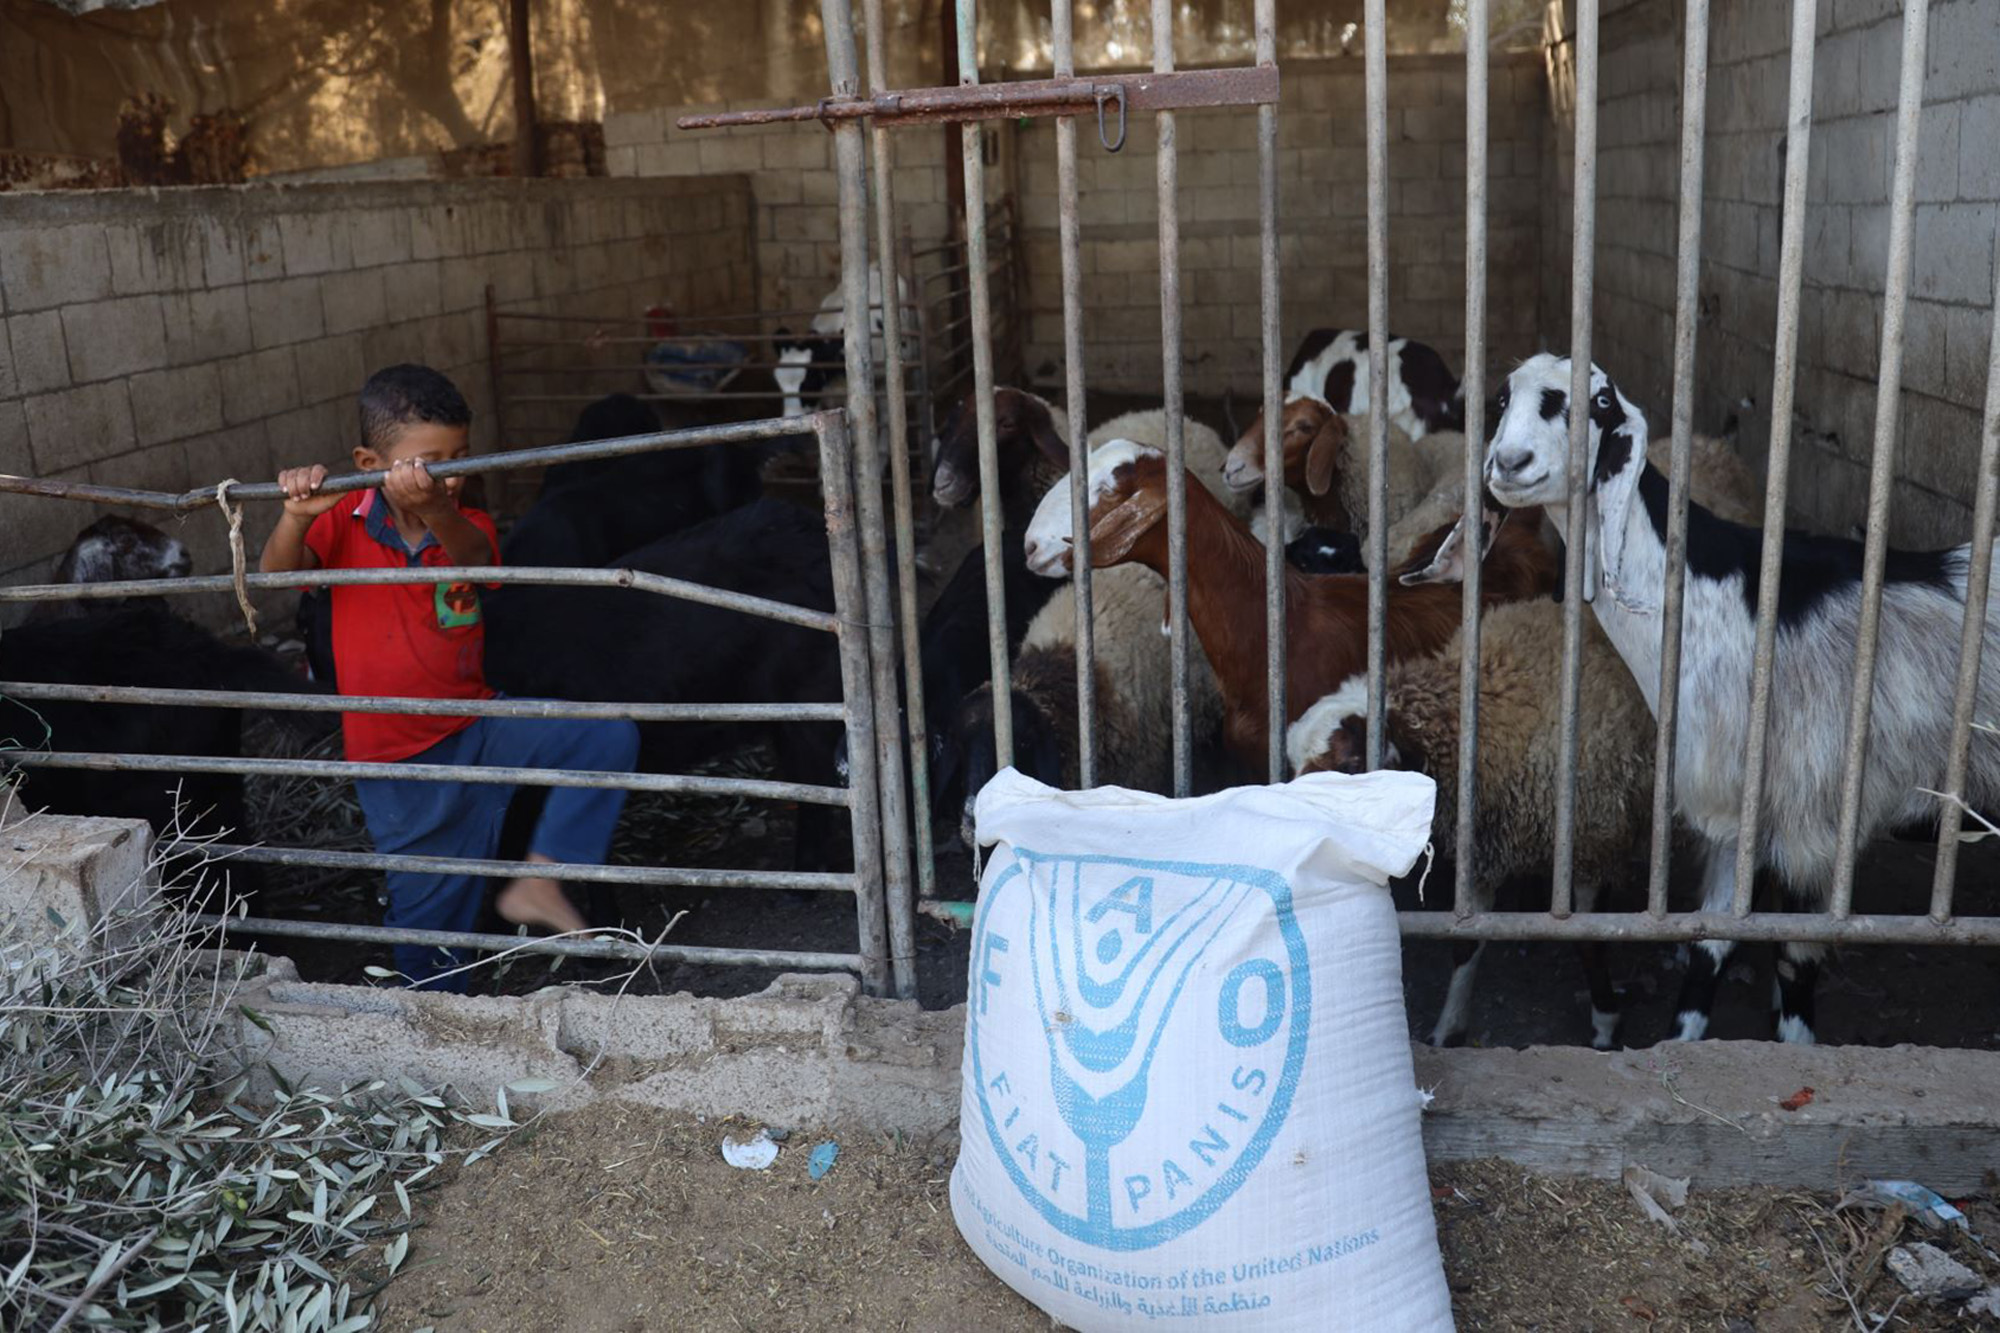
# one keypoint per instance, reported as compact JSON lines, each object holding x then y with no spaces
{"x":873,"y":533}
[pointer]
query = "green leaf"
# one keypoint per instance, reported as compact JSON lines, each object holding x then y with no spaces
{"x":255,"y":1017}
{"x":533,"y":1085}
{"x":381,"y":972}
{"x":489,"y":1121}
{"x":394,"y":1252}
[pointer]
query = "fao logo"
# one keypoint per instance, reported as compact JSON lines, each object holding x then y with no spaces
{"x":1137,"y":1030}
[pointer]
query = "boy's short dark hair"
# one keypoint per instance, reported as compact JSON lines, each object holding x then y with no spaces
{"x":407,"y":395}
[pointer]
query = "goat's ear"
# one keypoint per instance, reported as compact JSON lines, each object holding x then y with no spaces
{"x":1114,"y":533}
{"x":1323,"y":453}
{"x":1447,"y":563}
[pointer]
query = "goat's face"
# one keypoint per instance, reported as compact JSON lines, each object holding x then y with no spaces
{"x":794,"y":364}
{"x":1311,"y":434}
{"x":115,"y":549}
{"x":1127,"y":499}
{"x":1332,"y":735}
{"x":1020,"y":421}
{"x":1527,"y":461}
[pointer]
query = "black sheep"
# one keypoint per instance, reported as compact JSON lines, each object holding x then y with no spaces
{"x":620,"y":645}
{"x":1318,"y":550}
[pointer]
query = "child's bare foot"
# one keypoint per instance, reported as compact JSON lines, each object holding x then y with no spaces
{"x":538,"y":901}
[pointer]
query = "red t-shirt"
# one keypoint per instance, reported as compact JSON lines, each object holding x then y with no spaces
{"x":419,"y":640}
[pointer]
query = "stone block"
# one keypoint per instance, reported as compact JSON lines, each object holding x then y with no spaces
{"x":261,"y":384}
{"x":439,"y":231}
{"x":1968,"y":343}
{"x":1857,"y":156}
{"x":154,"y":257}
{"x":356,"y":300}
{"x":16,"y":458}
{"x":1978,"y":148}
{"x":319,"y":433}
{"x":172,"y":404}
{"x":621,"y":161}
{"x":1952,"y":256}
{"x":116,"y":337}
{"x":43,"y":267}
{"x":379,"y":236}
{"x":414,"y":289}
{"x":623,"y":129}
{"x":1938,"y":444}
{"x":219,"y":240}
{"x":285,"y":311}
{"x":1938,"y":154}
{"x":329,"y":367}
{"x":1926,"y":369}
{"x":1868,"y":247}
{"x":79,"y":425}
{"x":793,"y":150}
{"x":314,"y":242}
{"x":674,"y":158}
{"x":263,"y":249}
{"x":70,"y":876}
{"x":40,"y":359}
{"x":240,"y":452}
{"x":1964,"y":52}
{"x":205,"y":325}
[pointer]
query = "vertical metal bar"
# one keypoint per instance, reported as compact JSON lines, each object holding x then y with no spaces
{"x":902,"y":918}
{"x":850,"y":161}
{"x":1073,"y":392}
{"x":850,"y":604}
{"x":1687,"y":292}
{"x":1583,"y":231}
{"x":1478,"y":31}
{"x":1376,"y":63}
{"x":1275,"y":661}
{"x":1168,"y":165}
{"x":1882,"y":475}
{"x":979,"y":280}
{"x":1972,"y":635}
{"x":1784,"y":384}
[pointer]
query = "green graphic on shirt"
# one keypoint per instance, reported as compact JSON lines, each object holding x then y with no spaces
{"x":457,"y":605}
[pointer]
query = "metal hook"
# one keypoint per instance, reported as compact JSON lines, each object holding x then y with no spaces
{"x":1101,"y":96}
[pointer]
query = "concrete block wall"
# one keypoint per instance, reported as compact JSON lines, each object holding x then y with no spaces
{"x":1323,"y":206}
{"x":171,"y":339}
{"x":1857,"y":57}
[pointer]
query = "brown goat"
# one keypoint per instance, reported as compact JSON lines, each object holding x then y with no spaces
{"x":1313,"y":437}
{"x":1326,"y":638}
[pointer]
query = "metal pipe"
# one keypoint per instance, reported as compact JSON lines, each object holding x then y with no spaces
{"x":1882,"y":473}
{"x":649,"y":876}
{"x":370,"y":703}
{"x":1801,"y":927}
{"x":609,"y":950}
{"x":1167,"y":170}
{"x":1274,"y":401}
{"x":902,"y":891}
{"x":1578,"y":575}
{"x":512,"y":460}
{"x":1375,"y":61}
{"x":1687,"y":315}
{"x":843,"y":547}
{"x":1478,"y":60}
{"x":490,"y":774}
{"x":1784,"y":385}
{"x":990,"y":517}
{"x":1083,"y":575}
{"x":758,"y":316}
{"x":1972,"y":633}
{"x":850,"y":170}
{"x":293,"y":580}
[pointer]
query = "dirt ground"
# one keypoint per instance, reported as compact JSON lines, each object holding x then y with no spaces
{"x":621,"y":1219}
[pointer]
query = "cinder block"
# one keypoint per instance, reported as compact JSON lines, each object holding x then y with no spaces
{"x":439,"y":231}
{"x":1964,"y":52}
{"x":462,"y":282}
{"x":205,"y":325}
{"x":356,"y":300}
{"x":414,"y":289}
{"x":64,"y":876}
{"x":219,"y":241}
{"x":379,"y":236}
{"x":321,"y":433}
{"x":621,"y":161}
{"x":263,"y":249}
{"x":1938,"y":154}
{"x":42,"y":267}
{"x":673,"y":158}
{"x":1953,"y":253}
{"x":1978,"y":148}
{"x":154,"y":257}
{"x":40,"y":360}
{"x":172,"y":404}
{"x":261,"y":384}
{"x":314,"y":242}
{"x":285,"y":312}
{"x":242,"y":453}
{"x":395,"y":344}
{"x":116,"y":337}
{"x":79,"y":426}
{"x":799,"y":148}
{"x":626,"y":128}
{"x":1926,"y":519}
{"x":1968,"y":341}
{"x":16,"y":458}
{"x":329,"y":367}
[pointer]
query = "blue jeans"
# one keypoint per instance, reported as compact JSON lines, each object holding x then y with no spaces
{"x":407,"y":817}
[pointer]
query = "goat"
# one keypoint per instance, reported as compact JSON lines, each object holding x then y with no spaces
{"x":612,"y":644}
{"x":1325,"y":551}
{"x":114,"y":550}
{"x":1819,"y":607}
{"x":1332,"y":364}
{"x":1520,"y":734}
{"x":142,"y":644}
{"x":1326,"y":615}
{"x":809,"y":364}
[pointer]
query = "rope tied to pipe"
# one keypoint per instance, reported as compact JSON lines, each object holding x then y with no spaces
{"x":233,"y":510}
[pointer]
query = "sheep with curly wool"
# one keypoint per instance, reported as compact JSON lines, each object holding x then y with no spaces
{"x":1520,"y":740}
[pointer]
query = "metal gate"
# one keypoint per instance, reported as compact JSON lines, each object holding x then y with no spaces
{"x":1165,"y":94}
{"x":857,"y":710}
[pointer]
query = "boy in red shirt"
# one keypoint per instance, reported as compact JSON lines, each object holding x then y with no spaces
{"x":428,"y":641}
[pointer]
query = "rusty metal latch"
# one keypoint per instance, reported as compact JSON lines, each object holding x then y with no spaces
{"x":1103,"y":95}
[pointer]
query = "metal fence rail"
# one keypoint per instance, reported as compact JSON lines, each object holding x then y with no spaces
{"x":850,"y":624}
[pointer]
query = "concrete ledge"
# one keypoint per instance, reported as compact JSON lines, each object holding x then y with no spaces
{"x":1710,"y":1110}
{"x":80,"y":868}
{"x":808,"y":1050}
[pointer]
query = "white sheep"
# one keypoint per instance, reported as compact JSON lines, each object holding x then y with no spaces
{"x":1520,"y":735}
{"x":1819,"y":607}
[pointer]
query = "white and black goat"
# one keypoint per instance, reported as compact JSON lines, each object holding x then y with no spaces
{"x":1819,"y":608}
{"x":810,"y":363}
{"x":1423,"y":394}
